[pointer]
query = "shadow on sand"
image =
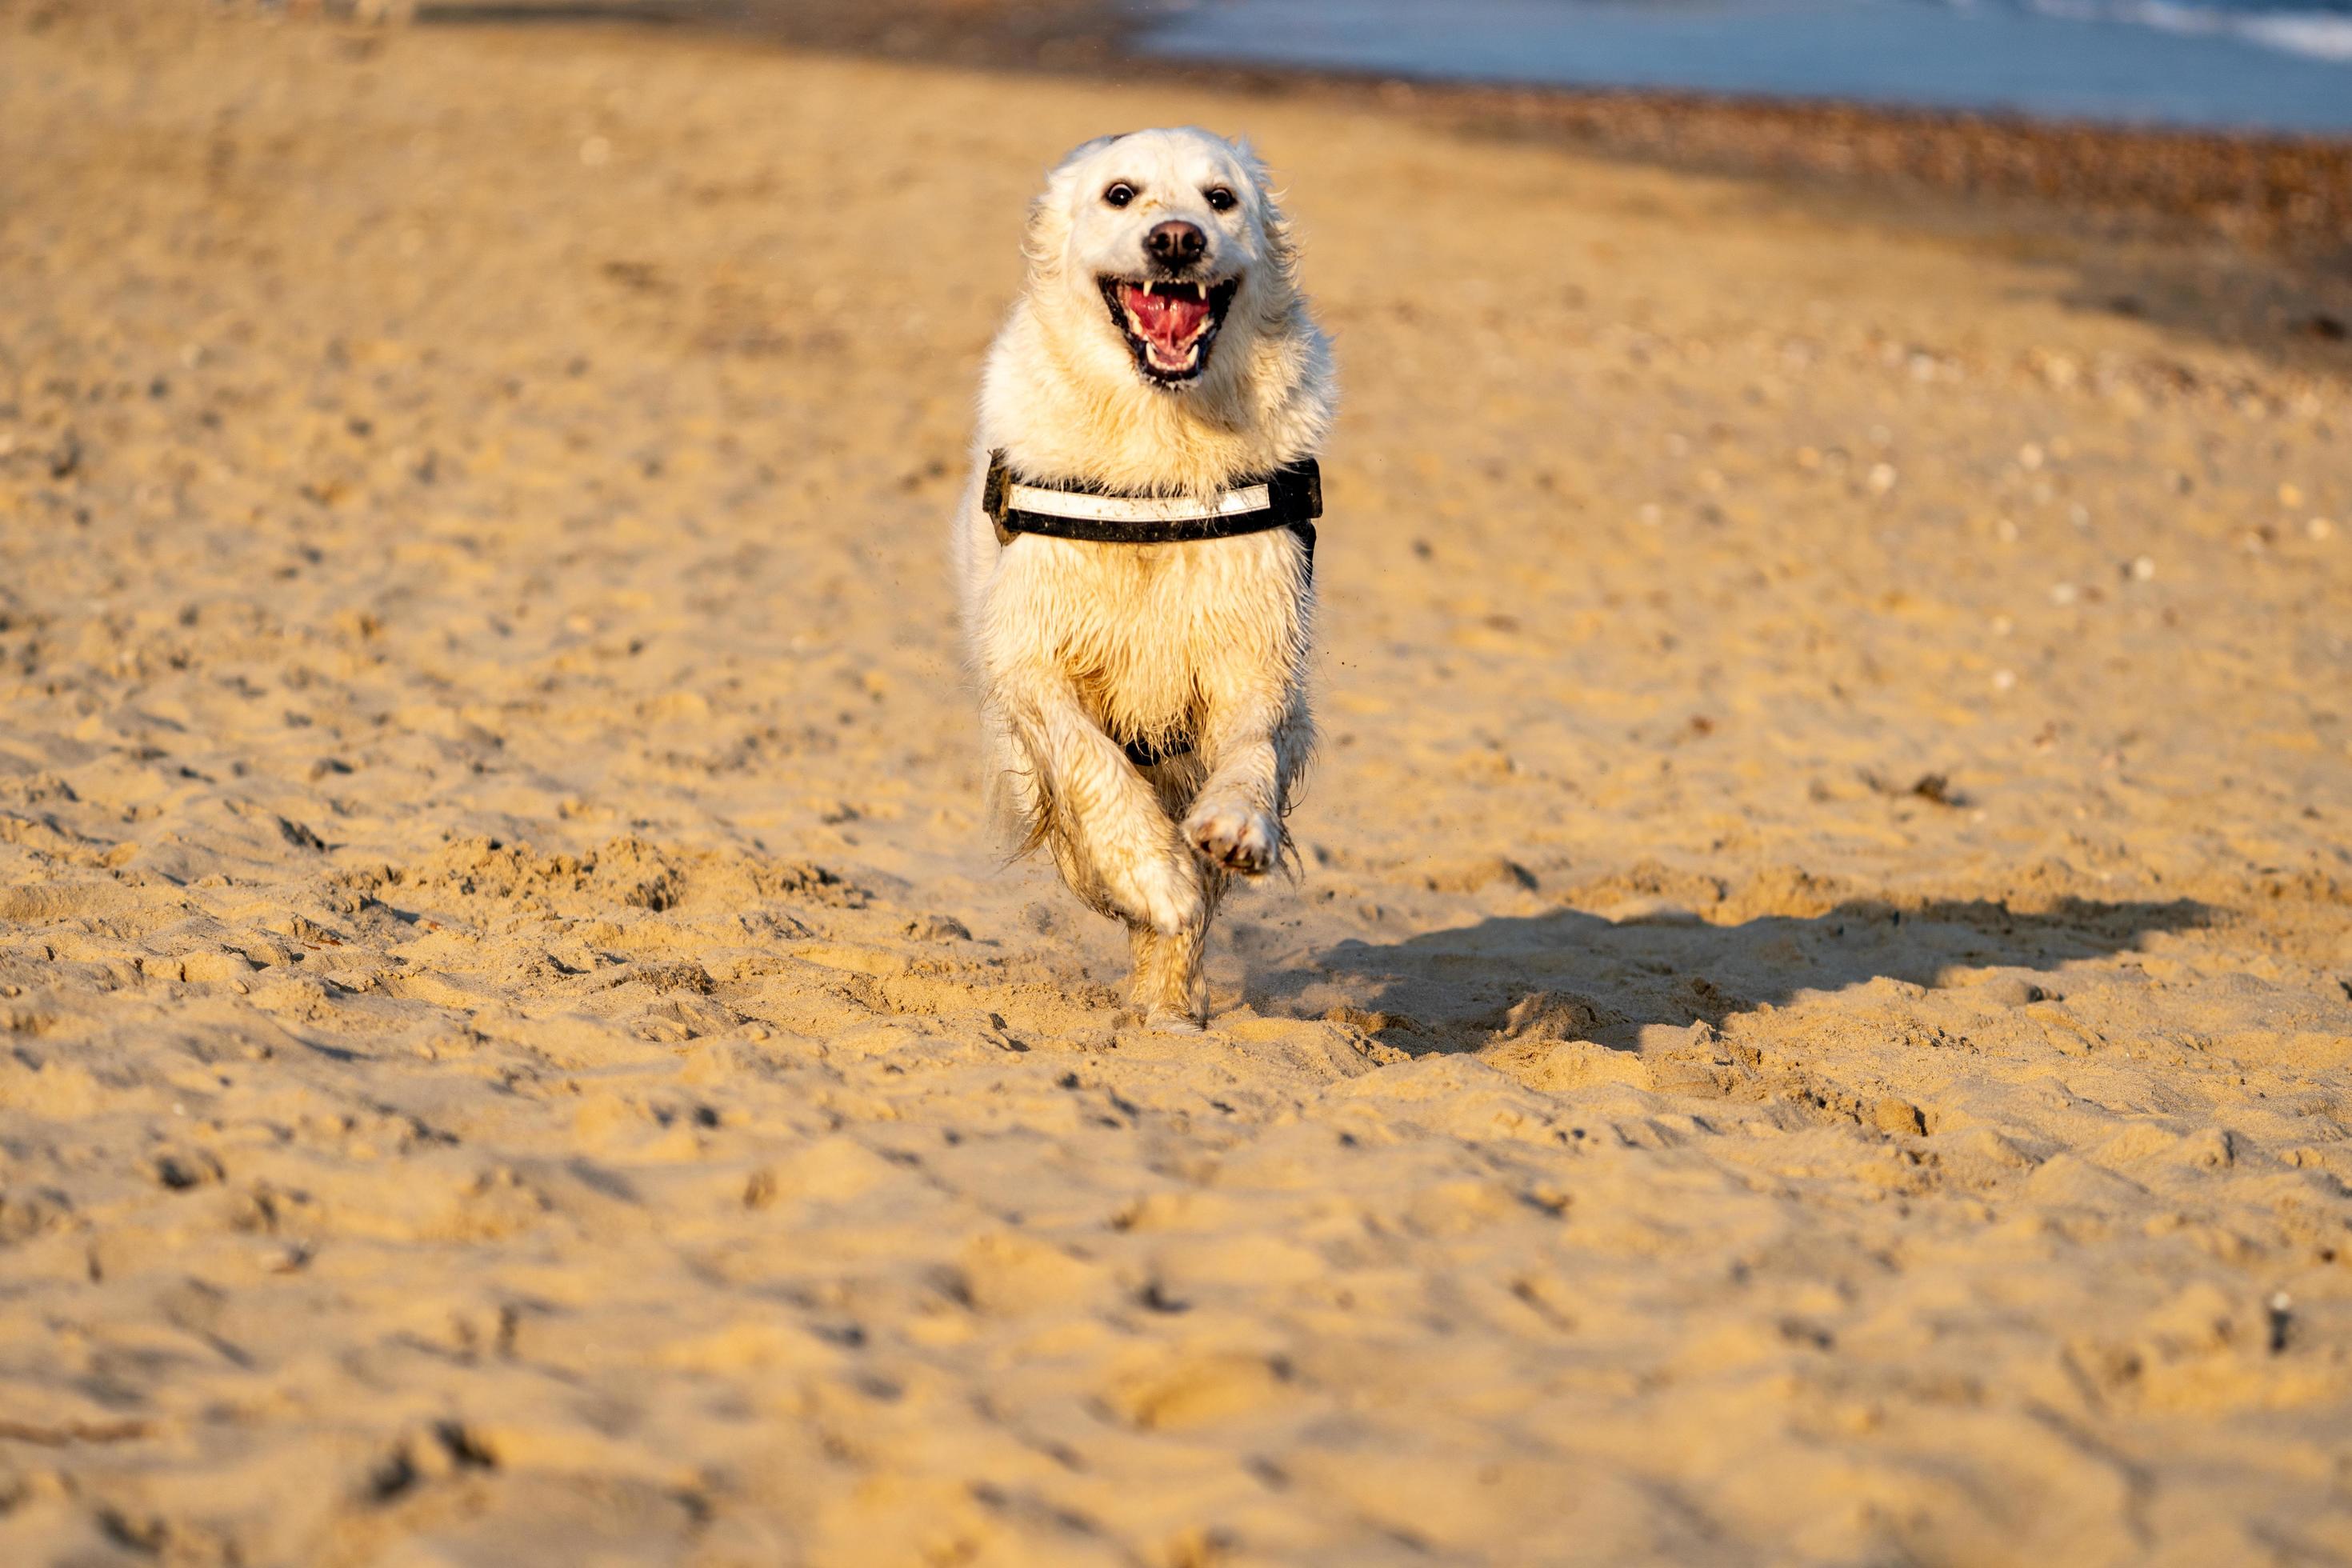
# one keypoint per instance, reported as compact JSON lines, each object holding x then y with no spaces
{"x":1606,"y":980}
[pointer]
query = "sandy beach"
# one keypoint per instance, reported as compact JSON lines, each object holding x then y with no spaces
{"x":1814,"y":1025}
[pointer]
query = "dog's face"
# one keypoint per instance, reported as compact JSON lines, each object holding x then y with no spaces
{"x":1150,"y":248}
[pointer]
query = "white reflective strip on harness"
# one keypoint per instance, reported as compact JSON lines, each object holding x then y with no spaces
{"x":1137,"y":509}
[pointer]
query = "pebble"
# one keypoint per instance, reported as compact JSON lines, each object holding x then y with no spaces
{"x":2143,"y":569}
{"x":2062,"y":593}
{"x":2004,"y":679}
{"x":2028,"y":456}
{"x":1882,"y":478}
{"x":2319,"y":528}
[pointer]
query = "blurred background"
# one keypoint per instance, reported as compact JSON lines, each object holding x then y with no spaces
{"x":2254,"y":65}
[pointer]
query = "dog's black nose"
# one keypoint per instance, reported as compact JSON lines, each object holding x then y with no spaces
{"x":1175,"y":242}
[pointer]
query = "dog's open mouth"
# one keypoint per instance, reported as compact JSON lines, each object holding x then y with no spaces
{"x":1170,"y":325}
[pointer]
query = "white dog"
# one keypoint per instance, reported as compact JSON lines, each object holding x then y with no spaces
{"x":1134,"y":553}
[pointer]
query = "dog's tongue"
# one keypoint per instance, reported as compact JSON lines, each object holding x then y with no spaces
{"x":1171,"y":321}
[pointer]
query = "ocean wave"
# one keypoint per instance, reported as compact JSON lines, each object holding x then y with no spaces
{"x":2314,"y":33}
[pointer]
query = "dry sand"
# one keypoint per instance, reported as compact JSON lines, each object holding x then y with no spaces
{"x":1814,"y":1026}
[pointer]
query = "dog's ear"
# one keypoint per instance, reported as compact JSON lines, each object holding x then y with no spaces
{"x":1049,"y":230}
{"x":1281,"y":244}
{"x":1084,"y":150}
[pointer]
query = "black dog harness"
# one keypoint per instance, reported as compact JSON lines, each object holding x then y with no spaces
{"x":1290,"y":497}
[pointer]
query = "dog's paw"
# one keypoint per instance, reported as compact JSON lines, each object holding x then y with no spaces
{"x":1230,"y":835}
{"x":1166,"y":893}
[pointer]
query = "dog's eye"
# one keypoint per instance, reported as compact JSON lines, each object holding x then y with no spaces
{"x":1219,"y":197}
{"x":1120,"y":194}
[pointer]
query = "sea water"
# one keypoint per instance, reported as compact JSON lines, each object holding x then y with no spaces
{"x":2216,"y":64}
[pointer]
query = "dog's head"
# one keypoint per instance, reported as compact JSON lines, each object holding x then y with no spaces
{"x":1148,"y":250}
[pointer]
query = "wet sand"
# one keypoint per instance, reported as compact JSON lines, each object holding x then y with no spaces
{"x":1814,"y":1023}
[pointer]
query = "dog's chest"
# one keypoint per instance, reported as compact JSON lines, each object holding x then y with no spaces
{"x":1154,"y":637}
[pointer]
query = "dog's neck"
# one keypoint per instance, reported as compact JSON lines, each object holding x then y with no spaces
{"x":1061,"y":408}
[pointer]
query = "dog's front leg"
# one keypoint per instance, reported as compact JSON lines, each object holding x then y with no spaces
{"x":1115,"y":845}
{"x":1255,"y":749}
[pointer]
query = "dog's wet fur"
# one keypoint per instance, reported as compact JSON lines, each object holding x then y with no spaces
{"x":1160,"y":345}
